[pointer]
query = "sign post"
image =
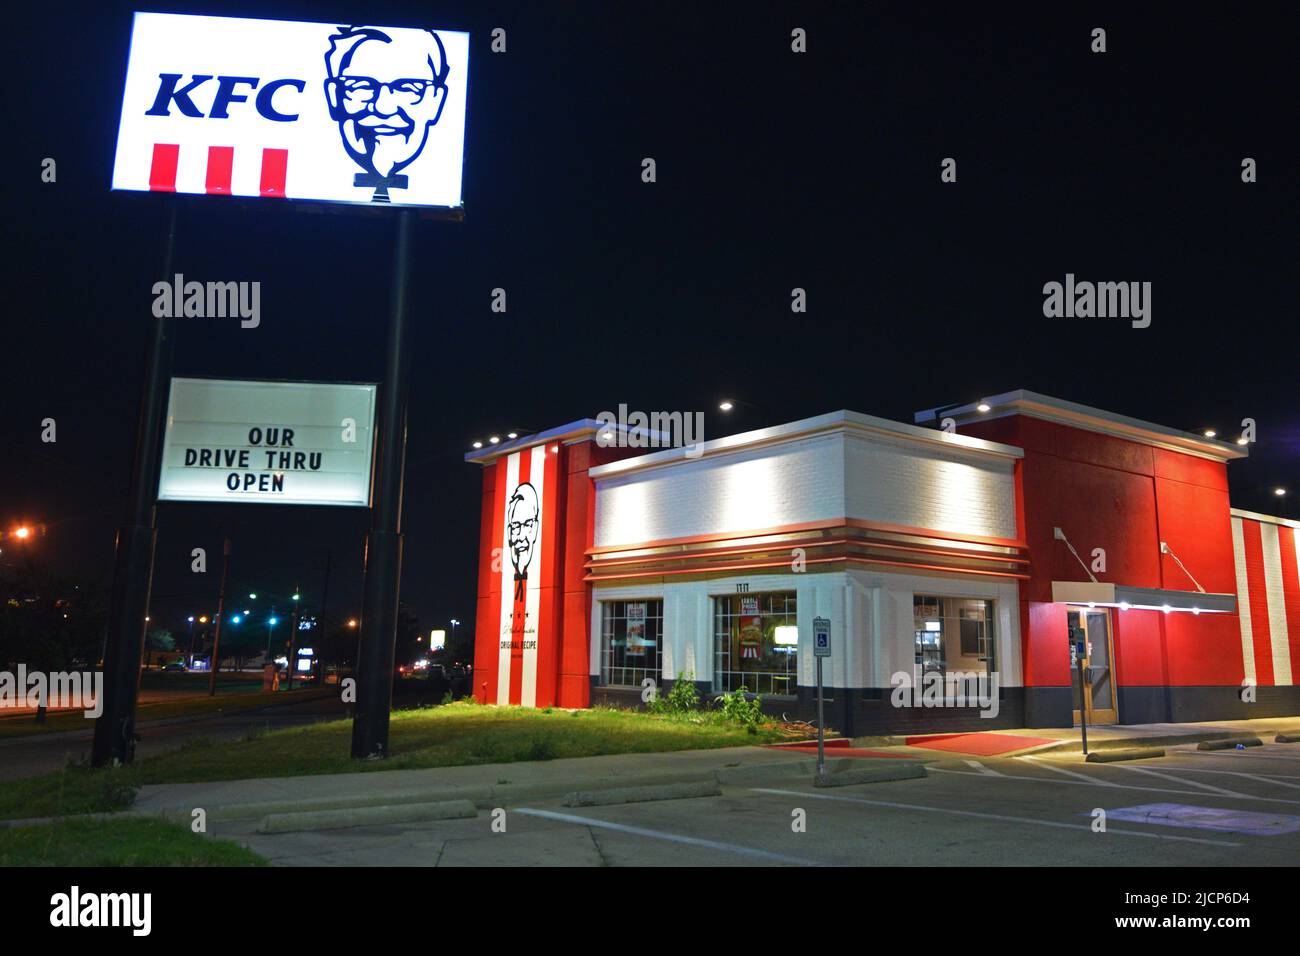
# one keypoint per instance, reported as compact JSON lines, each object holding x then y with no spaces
{"x":1079,"y":657}
{"x":282,"y":110}
{"x":821,"y":649}
{"x":133,"y":562}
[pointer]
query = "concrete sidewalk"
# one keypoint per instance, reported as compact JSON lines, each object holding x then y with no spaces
{"x":485,"y":785}
{"x":1111,"y":736}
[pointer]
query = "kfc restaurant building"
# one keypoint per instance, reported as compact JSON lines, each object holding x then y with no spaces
{"x":936,"y":556}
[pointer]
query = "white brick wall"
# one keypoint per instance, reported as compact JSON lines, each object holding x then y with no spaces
{"x":875,"y":478}
{"x":799,"y":481}
{"x":926,"y":487}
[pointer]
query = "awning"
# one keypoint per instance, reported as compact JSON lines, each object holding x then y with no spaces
{"x":1125,"y":597}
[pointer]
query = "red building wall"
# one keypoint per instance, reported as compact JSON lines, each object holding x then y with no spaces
{"x":1124,"y":497}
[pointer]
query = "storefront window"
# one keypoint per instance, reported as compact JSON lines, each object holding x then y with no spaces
{"x":631,"y":641}
{"x":953,"y":634}
{"x":756,"y":643}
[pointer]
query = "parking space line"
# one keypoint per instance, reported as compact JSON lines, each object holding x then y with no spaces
{"x":983,"y":768}
{"x":1238,"y":755}
{"x":1191,"y":783}
{"x":1002,"y":817}
{"x":1048,"y":765}
{"x":1279,"y":779}
{"x":1089,"y":782}
{"x":663,"y":835}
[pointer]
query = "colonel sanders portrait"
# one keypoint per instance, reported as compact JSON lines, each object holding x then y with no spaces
{"x":522,"y":523}
{"x":385,"y":92}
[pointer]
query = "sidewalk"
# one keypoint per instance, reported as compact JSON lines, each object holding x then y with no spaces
{"x":1112,"y":736}
{"x":486,"y":785}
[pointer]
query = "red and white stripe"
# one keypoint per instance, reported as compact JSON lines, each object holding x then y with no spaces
{"x":1266,"y":551}
{"x":527,"y":639}
{"x":218,"y":171}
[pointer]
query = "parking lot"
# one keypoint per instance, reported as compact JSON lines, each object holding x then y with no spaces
{"x":1189,"y":808}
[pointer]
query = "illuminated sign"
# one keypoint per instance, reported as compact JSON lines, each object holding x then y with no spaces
{"x":786,"y":635}
{"x":297,"y":443}
{"x":285,"y":109}
{"x":437,"y":640}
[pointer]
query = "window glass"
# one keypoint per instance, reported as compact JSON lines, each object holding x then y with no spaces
{"x":756,"y":643}
{"x":953,"y":634}
{"x":631,"y":641}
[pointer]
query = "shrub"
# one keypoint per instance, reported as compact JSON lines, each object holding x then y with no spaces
{"x":739,"y":709}
{"x":682,"y":697}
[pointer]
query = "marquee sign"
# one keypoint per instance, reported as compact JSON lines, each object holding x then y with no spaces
{"x":294,"y":443}
{"x":287,"y":109}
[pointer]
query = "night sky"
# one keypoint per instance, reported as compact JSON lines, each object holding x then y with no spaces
{"x":775,"y":170}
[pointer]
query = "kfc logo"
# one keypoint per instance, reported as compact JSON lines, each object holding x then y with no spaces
{"x":240,"y":107}
{"x":385,"y":94}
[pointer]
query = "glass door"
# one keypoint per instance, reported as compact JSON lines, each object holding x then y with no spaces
{"x":1090,"y":631}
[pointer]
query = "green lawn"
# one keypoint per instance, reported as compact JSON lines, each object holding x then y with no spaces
{"x":447,"y":736}
{"x":130,"y":841}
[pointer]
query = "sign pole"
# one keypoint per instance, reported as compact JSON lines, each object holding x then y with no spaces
{"x":133,"y":562}
{"x":821,"y":648}
{"x":821,"y":725}
{"x":381,"y":590}
{"x":1083,"y":705}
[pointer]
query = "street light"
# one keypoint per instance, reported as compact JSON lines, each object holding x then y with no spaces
{"x":352,"y":622}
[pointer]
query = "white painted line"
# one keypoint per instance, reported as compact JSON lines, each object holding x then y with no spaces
{"x":1040,"y":762}
{"x":1123,"y":786}
{"x":1191,"y":783}
{"x":1266,"y":777}
{"x":662,"y":835}
{"x":988,"y":771}
{"x":991,"y":816}
{"x":1238,"y":755}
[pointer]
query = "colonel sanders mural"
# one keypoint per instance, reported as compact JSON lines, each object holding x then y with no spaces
{"x":522,"y":523}
{"x":385,"y":93}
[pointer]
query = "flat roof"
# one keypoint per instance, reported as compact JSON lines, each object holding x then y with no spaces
{"x":842,"y":420}
{"x":1036,"y":405}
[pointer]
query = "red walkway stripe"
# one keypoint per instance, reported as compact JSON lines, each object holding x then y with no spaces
{"x":275,"y":165}
{"x":220,"y":161}
{"x":1257,"y":595}
{"x":162,"y":172}
{"x":978,"y":743}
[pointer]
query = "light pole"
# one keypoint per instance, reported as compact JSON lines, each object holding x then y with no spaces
{"x":270,"y":629}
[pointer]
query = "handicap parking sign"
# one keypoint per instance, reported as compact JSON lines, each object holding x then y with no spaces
{"x":821,"y":637}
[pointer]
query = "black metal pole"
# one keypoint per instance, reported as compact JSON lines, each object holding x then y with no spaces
{"x":133,"y":561}
{"x":221,"y":610}
{"x":384,"y":543}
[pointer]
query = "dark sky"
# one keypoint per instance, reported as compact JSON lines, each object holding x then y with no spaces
{"x":775,"y":171}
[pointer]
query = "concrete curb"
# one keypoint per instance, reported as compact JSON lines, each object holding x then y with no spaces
{"x":1287,"y":739}
{"x":1113,"y":754}
{"x":672,"y":791}
{"x":876,"y":773}
{"x":367,"y":816}
{"x":1229,"y":743}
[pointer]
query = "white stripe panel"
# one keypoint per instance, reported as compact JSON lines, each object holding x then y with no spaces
{"x":507,"y":589}
{"x":1276,"y":604}
{"x":192,"y":169}
{"x":528,"y":677}
{"x":1243,"y":599}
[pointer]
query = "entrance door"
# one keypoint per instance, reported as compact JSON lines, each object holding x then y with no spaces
{"x":1090,"y":627}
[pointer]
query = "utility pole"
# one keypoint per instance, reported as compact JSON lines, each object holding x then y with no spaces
{"x":293,"y":633}
{"x":221,"y":610}
{"x":324,"y":619}
{"x":133,"y":560}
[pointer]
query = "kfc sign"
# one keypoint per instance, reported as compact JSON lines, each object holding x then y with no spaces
{"x":275,"y":108}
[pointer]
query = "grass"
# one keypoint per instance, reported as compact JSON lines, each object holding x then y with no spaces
{"x":448,"y":736}
{"x":229,"y":701}
{"x":131,"y":841}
